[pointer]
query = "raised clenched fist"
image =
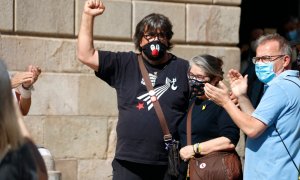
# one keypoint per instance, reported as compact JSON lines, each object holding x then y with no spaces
{"x":94,"y":7}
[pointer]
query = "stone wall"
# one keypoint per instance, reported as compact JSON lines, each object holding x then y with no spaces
{"x":74,"y":114}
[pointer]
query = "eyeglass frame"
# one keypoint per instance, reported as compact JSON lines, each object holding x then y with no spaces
{"x":198,"y":77}
{"x":267,"y":58}
{"x":152,"y":35}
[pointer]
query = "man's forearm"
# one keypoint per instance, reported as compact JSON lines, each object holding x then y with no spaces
{"x":249,"y":125}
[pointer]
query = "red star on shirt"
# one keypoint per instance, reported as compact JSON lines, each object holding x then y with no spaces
{"x":140,"y":106}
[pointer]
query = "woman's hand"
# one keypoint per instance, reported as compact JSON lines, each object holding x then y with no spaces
{"x":220,"y":94}
{"x":27,"y":79}
{"x":20,"y":78}
{"x":187,"y":152}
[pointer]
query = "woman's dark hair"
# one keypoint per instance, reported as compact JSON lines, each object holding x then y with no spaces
{"x":152,"y":23}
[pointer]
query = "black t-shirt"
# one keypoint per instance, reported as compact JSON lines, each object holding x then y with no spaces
{"x":139,"y":135}
{"x":209,"y":121}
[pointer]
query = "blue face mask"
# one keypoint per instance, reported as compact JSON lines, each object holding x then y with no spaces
{"x":293,"y":35}
{"x":265,"y":72}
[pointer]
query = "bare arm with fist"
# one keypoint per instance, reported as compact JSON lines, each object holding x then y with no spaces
{"x":86,"y":51}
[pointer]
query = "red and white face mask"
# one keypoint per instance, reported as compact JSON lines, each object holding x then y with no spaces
{"x":154,"y":50}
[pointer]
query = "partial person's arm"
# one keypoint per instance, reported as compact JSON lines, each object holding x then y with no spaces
{"x":22,"y":126}
{"x":23,"y":83}
{"x":217,"y":144}
{"x":251,"y":126}
{"x":86,"y":52}
{"x":23,"y":94}
{"x":24,"y":99}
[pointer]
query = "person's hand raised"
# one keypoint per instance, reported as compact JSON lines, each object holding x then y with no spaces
{"x":36,"y":71}
{"x":94,"y":7}
{"x":238,"y":83}
{"x":20,"y":78}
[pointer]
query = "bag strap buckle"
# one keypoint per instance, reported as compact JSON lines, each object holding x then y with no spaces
{"x":169,"y":142}
{"x":167,"y":137}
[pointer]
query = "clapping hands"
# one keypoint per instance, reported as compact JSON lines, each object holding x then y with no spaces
{"x":220,"y":94}
{"x":27,"y":79}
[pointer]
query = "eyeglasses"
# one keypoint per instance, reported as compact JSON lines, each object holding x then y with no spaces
{"x":266,"y":59}
{"x":198,"y":77}
{"x":152,"y":35}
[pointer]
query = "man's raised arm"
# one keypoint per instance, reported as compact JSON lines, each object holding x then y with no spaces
{"x":86,"y":52}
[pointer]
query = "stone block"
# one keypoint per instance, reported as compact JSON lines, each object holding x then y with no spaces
{"x":44,"y":17}
{"x":114,"y":23}
{"x":76,"y":136}
{"x":35,"y":126}
{"x":52,"y":55}
{"x":210,"y":24}
{"x":174,"y":11}
{"x":228,"y":2}
{"x":96,"y":97}
{"x":68,"y":168}
{"x":55,"y":94}
{"x":72,"y":94}
{"x":230,"y":55}
{"x":191,"y":1}
{"x":6,"y":15}
{"x":114,"y":46}
{"x":54,"y":175}
{"x":92,"y":169}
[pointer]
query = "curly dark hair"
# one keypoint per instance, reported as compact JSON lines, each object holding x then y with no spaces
{"x":153,"y":22}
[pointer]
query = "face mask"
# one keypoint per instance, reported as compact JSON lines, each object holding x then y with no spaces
{"x":154,"y":50}
{"x":265,"y":72}
{"x":196,"y":88}
{"x":293,"y":35}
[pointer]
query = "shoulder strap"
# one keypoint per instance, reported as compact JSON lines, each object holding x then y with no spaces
{"x":281,"y":137}
{"x":287,"y":149}
{"x":189,"y":125}
{"x":293,"y":82}
{"x":157,"y":107}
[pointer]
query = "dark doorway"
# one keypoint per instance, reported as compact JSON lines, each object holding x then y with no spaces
{"x":270,"y":14}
